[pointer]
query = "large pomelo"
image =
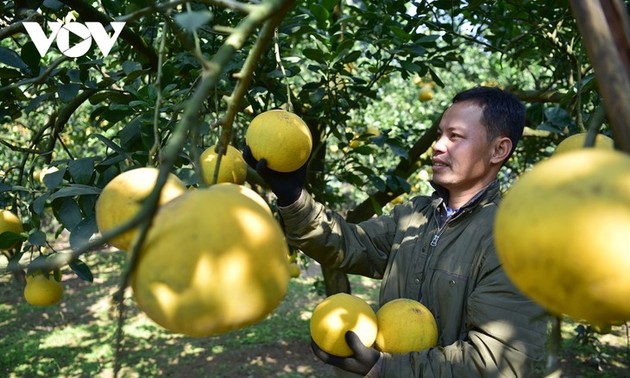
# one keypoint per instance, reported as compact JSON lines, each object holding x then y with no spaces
{"x":214,"y":260}
{"x":336,"y":315}
{"x":121,"y":199}
{"x":281,"y":138}
{"x":562,"y":233}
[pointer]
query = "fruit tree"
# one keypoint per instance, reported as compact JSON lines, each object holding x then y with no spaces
{"x":175,"y":84}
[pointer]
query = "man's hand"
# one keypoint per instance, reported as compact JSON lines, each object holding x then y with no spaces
{"x":286,"y":186}
{"x":361,"y":361}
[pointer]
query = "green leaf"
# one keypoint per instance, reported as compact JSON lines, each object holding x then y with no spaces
{"x":11,"y":58}
{"x":56,"y":274}
{"x":19,"y":188}
{"x":53,"y":4}
{"x":558,"y":116}
{"x":400,"y":33}
{"x":69,"y":213}
{"x":351,"y":57}
{"x":115,"y":114}
{"x":131,"y":66}
{"x":379,"y":184}
{"x":345,"y":44}
{"x":111,"y":144}
{"x":52,"y":180}
{"x":37,"y":260}
{"x":82,"y":270}
{"x":314,"y":54}
{"x":320,"y":13}
{"x":392,"y":183}
{"x":37,"y":101}
{"x":193,"y":20}
{"x":75,"y":190}
{"x":38,"y":238}
{"x":8,"y":73}
{"x":74,"y":75}
{"x":40,"y":203}
{"x":547,"y":126}
{"x":317,"y":95}
{"x":354,"y":179}
{"x":139,"y":103}
{"x":14,"y":261}
{"x":416,"y":50}
{"x":363,"y":150}
{"x":329,"y":4}
{"x":81,"y":170}
{"x":130,"y":131}
{"x":9,"y":238}
{"x":112,"y":97}
{"x":427,"y":39}
{"x":30,"y":56}
{"x":378,"y":209}
{"x":68,"y":92}
{"x":410,"y":66}
{"x":397,"y":148}
{"x":81,"y":234}
{"x":436,"y":78}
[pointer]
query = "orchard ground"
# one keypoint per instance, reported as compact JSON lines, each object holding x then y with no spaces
{"x":76,"y":337}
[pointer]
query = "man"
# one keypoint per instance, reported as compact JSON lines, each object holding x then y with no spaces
{"x":435,"y":249}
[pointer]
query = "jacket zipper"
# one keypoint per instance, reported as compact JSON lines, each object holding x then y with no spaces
{"x":440,"y":230}
{"x":433,"y":244}
{"x":434,"y":241}
{"x":437,"y":235}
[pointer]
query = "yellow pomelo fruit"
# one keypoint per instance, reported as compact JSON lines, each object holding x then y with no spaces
{"x":280,"y":137}
{"x":233,"y":167}
{"x":576,"y":141}
{"x":562,"y":234}
{"x":355,"y":143}
{"x":41,"y":291}
{"x":214,"y":260}
{"x":373,"y":131}
{"x":426,"y":93}
{"x":121,"y":199}
{"x":398,"y":200}
{"x":336,"y":315}
{"x":9,"y":222}
{"x":294,"y":270}
{"x":404,"y":326}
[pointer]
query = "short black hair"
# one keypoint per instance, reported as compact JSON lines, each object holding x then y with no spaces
{"x":503,"y":113}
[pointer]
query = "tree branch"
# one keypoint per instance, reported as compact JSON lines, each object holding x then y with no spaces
{"x":605,"y":28}
{"x":244,"y":78}
{"x":404,"y":169}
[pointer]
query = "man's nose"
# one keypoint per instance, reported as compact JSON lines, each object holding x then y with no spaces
{"x":438,"y":145}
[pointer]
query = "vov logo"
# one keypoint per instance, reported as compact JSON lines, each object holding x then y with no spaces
{"x":60,"y":32}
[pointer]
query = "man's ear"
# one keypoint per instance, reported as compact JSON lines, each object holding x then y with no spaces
{"x":501,"y":150}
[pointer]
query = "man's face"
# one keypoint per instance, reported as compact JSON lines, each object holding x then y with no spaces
{"x":462,"y":152}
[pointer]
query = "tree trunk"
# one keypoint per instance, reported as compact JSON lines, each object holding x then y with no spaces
{"x":605,"y":28}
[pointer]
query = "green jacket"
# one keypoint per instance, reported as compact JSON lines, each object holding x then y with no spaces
{"x":486,"y":326}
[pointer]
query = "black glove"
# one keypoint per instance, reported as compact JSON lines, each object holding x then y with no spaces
{"x":286,"y":186}
{"x":361,"y":361}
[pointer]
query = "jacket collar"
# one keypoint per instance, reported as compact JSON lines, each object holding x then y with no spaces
{"x":484,"y":196}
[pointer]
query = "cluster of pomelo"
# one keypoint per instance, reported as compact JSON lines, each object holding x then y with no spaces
{"x":42,"y":288}
{"x":562,"y":232}
{"x":400,"y":326}
{"x":214,"y":258}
